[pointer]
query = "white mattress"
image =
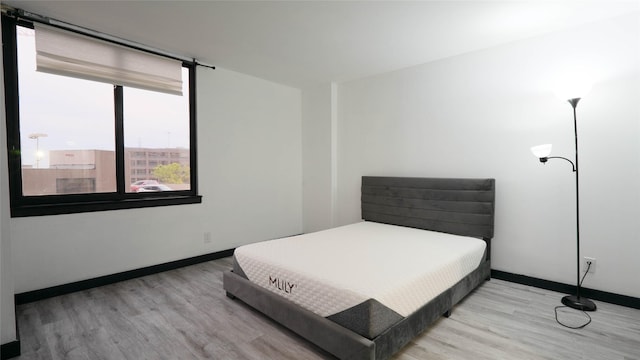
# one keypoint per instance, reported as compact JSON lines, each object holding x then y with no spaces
{"x":332,"y":270}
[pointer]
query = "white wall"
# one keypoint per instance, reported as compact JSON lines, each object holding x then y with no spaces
{"x":7,"y":311}
{"x":7,"y":308}
{"x":250,"y":177}
{"x":318,"y":156}
{"x":476,"y":115}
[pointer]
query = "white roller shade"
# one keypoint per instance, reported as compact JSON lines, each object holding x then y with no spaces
{"x":65,"y":53}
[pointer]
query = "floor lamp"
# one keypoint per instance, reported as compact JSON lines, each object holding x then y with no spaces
{"x":543,"y":152}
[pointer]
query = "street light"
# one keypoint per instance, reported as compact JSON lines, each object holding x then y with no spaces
{"x":37,"y":137}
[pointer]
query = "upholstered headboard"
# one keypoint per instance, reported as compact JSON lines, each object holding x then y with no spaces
{"x":456,"y":206}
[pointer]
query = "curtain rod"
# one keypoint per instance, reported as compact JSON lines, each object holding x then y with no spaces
{"x":26,"y":15}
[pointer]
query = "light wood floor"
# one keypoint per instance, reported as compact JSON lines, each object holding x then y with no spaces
{"x":184,"y":314}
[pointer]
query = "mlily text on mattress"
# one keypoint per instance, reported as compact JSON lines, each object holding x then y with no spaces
{"x":365,"y":276}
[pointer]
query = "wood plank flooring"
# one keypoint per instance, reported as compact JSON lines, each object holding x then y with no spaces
{"x":184,"y":314}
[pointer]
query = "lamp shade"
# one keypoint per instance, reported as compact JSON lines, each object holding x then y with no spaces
{"x":541,"y":151}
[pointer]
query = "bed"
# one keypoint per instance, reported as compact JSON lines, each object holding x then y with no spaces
{"x":393,"y":293}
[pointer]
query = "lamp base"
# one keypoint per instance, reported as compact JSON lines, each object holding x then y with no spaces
{"x":580,"y":303}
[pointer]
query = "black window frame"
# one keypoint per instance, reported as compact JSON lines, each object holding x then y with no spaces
{"x":23,"y":206}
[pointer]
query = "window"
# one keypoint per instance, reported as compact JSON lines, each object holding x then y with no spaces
{"x":73,"y":142}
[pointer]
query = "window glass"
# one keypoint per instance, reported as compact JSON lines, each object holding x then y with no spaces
{"x":156,"y":129}
{"x":75,"y":145}
{"x":67,"y":131}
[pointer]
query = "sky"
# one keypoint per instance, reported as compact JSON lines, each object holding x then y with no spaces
{"x":78,"y":114}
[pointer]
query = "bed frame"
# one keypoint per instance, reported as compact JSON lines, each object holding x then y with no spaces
{"x":456,"y":206}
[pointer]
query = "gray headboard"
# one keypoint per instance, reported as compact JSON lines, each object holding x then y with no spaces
{"x":456,"y":206}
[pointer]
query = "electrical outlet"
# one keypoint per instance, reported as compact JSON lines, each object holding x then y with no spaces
{"x":207,"y":237}
{"x":585,"y":264}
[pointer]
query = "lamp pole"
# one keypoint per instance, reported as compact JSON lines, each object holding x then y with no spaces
{"x":542,"y":152}
{"x":577,"y":302}
{"x":574,"y":103}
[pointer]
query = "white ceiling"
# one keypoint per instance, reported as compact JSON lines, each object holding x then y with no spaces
{"x":301,"y":43}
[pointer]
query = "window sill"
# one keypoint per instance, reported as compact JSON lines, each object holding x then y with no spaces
{"x":93,"y":206}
